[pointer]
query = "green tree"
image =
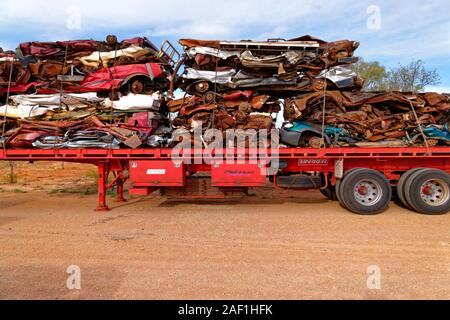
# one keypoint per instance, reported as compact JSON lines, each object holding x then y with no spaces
{"x":412,"y":77}
{"x":373,"y":73}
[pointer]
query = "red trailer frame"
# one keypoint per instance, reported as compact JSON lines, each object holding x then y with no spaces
{"x":332,"y":162}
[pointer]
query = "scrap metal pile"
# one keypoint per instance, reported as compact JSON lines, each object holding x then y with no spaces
{"x":81,"y":66}
{"x":374,"y":118}
{"x":73,"y":83}
{"x":300,"y":64}
{"x":94,"y":94}
{"x":85,"y":121}
{"x":313,"y":80}
{"x":238,"y":85}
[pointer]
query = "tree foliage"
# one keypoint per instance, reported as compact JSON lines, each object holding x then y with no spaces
{"x":412,"y":77}
{"x":373,"y":73}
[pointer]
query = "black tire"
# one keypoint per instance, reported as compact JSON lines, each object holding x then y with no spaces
{"x":438,"y":202}
{"x":329,"y":193}
{"x":378,"y":192}
{"x":401,"y":186}
{"x":136,"y":85}
{"x":338,"y":191}
{"x":339,"y":184}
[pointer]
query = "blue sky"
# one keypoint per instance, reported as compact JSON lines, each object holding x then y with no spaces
{"x":391,"y":32}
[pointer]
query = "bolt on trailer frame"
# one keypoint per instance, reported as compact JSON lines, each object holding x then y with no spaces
{"x":149,"y":170}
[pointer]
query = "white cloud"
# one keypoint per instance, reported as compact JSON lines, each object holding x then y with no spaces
{"x":6,"y":45}
{"x":409,"y":28}
{"x":166,"y":18}
{"x":438,"y":89}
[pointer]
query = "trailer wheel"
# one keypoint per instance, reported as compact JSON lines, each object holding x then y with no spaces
{"x":330,"y":193}
{"x":338,"y":191}
{"x":366,"y":192}
{"x":339,"y":184}
{"x":428,"y":191}
{"x":401,"y":186}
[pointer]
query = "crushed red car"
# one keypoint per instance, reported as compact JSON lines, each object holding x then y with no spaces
{"x":134,"y":65}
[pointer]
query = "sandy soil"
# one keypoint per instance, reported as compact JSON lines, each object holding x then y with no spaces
{"x":293,"y":246}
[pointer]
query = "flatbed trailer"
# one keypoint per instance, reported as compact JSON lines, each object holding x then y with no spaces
{"x":361,"y":179}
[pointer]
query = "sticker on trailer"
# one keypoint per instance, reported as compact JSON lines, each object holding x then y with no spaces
{"x":159,"y":172}
{"x":241,"y":173}
{"x":313,"y":162}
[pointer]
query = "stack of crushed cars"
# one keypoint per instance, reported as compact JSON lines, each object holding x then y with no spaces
{"x":322,"y":97}
{"x":85,"y":121}
{"x":110,"y":94}
{"x":239,"y":85}
{"x":85,"y":94}
{"x":84,"y":66}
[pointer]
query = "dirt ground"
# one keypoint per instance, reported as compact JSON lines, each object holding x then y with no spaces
{"x":296,"y":245}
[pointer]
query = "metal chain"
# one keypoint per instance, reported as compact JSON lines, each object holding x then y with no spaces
{"x":112,"y":92}
{"x":215,"y":90}
{"x":322,"y":145}
{"x":7,"y":104}
{"x":419,"y":125}
{"x":61,"y":90}
{"x":11,"y":164}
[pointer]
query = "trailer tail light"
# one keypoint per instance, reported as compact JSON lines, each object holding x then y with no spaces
{"x":157,"y":173}
{"x":238,"y":175}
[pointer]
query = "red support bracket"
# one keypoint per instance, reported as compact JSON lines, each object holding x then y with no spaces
{"x":103,"y":173}
{"x":119,"y":181}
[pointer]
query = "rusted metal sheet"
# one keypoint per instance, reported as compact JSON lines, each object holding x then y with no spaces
{"x":227,"y":85}
{"x":84,"y":66}
{"x":84,"y":121}
{"x":237,"y":110}
{"x":374,"y":117}
{"x":273,"y":66}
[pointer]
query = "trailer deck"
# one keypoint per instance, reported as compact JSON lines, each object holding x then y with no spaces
{"x":152,"y":169}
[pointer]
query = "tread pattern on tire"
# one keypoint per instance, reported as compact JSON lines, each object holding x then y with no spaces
{"x":412,"y":191}
{"x":339,"y":186}
{"x":401,"y":186}
{"x":347,"y":192}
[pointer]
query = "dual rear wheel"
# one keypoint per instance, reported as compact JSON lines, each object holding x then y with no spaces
{"x":368,"y":192}
{"x":425,"y":190}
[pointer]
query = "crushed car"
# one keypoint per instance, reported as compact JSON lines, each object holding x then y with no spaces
{"x":133,"y":65}
{"x":301,"y":64}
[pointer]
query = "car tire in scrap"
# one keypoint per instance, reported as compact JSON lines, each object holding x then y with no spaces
{"x":401,"y":186}
{"x":428,"y":191}
{"x":366,"y":192}
{"x":137,"y":87}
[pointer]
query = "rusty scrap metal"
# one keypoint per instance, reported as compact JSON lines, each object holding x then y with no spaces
{"x":371,"y":117}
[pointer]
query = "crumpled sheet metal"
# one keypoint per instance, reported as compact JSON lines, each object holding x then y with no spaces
{"x":85,"y":121}
{"x":239,"y":110}
{"x":98,"y":58}
{"x":135,"y":102}
{"x":72,"y":100}
{"x":80,"y":65}
{"x":192,"y":52}
{"x":372,"y":117}
{"x":32,"y":106}
{"x":273,"y":66}
{"x":87,"y":133}
{"x":341,"y":76}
